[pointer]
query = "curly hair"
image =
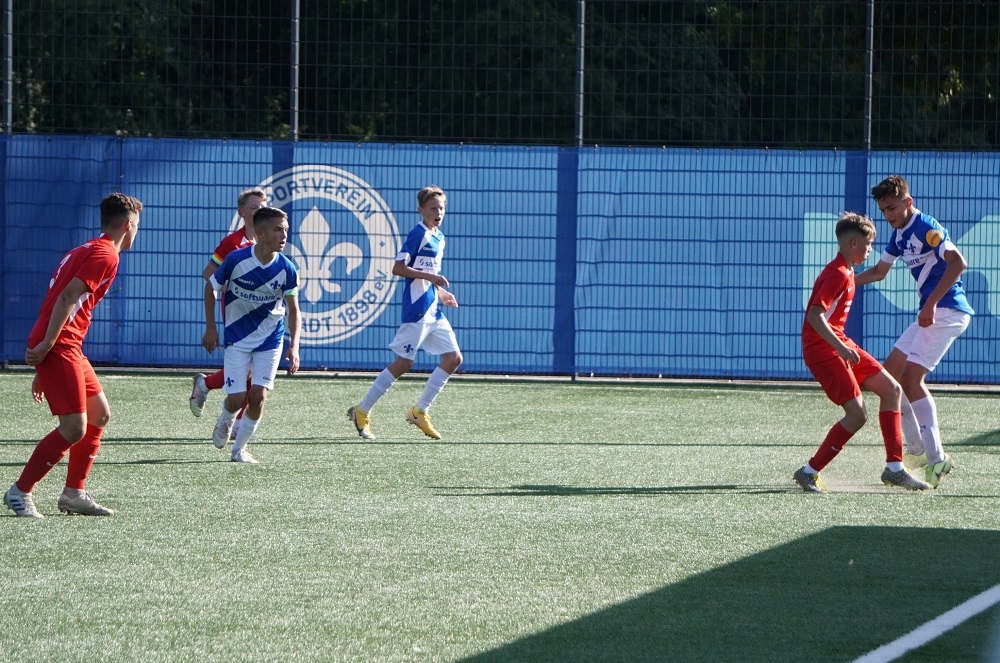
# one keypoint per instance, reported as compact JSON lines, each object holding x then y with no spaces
{"x":117,"y":207}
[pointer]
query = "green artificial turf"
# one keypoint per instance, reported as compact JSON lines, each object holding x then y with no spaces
{"x":555,"y":521}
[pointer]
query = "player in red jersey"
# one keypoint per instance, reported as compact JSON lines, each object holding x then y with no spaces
{"x":841,"y":367}
{"x":248,"y":202}
{"x":63,"y":375}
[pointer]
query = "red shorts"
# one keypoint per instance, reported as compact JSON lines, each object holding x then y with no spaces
{"x":842,"y":382}
{"x":68,"y":380}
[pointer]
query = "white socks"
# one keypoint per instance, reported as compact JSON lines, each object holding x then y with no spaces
{"x":911,"y":431}
{"x":226,"y":416}
{"x":435,"y":383}
{"x":925,"y":413}
{"x":382,"y":384}
{"x":247,"y":428}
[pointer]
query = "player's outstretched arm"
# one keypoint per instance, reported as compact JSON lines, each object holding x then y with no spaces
{"x":873,"y":274}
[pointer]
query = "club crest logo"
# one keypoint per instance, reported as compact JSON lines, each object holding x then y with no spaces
{"x":343,"y":240}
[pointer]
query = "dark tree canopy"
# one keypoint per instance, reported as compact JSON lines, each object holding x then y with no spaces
{"x":739,"y":73}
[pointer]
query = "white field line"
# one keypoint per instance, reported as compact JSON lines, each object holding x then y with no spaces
{"x":934,"y":628}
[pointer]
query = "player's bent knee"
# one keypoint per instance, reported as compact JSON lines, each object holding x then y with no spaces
{"x":400,"y":366}
{"x":913,"y":375}
{"x":257,"y":396}
{"x":451,"y":361}
{"x":73,"y":433}
{"x":855,"y":415}
{"x":889,"y":391}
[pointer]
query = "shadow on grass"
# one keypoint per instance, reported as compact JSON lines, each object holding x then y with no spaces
{"x":164,"y":461}
{"x":832,"y":596}
{"x":190,"y":441}
{"x":149,"y":461}
{"x":982,"y":440}
{"x":352,"y":440}
{"x":562,"y":490}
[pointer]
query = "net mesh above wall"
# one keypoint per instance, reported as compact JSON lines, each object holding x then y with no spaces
{"x":775,"y":74}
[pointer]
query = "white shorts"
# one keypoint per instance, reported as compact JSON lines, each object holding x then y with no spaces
{"x":237,"y":365}
{"x":927,"y":345}
{"x":435,"y":338}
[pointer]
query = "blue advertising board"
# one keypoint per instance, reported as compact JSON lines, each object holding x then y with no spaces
{"x":612,"y":261}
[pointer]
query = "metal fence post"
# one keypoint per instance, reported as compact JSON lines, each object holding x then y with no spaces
{"x":580,"y":29}
{"x":8,"y":66}
{"x":869,"y":65}
{"x":293,"y":93}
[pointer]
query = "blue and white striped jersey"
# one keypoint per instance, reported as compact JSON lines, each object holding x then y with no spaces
{"x":422,"y":250}
{"x":254,"y":298}
{"x":921,"y":244}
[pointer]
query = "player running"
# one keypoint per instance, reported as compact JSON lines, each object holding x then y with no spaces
{"x":247,"y":203}
{"x":424,"y":325}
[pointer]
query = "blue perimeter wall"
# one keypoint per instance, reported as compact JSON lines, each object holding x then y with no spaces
{"x":692,"y":263}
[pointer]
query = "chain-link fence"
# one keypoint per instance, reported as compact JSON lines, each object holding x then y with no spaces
{"x":851,"y":74}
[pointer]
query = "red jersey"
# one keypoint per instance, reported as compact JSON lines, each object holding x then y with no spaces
{"x":96,"y":264}
{"x":833,"y":292}
{"x":234,"y":240}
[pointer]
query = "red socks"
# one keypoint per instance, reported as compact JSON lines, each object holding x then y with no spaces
{"x":891,"y":424}
{"x":46,"y":455}
{"x":82,"y":456}
{"x":834,"y":442}
{"x":51,"y":450}
{"x":215,"y":380}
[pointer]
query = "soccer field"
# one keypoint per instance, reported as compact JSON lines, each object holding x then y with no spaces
{"x":556,"y":521}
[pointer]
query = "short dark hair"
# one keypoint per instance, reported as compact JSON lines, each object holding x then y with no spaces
{"x":894,"y":186}
{"x":265,"y":214}
{"x":117,"y":207}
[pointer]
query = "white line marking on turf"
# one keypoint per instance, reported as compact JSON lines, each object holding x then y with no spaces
{"x":935,"y":628}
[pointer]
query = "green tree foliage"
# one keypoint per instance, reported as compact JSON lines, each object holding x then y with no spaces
{"x":777,"y":73}
{"x":801,"y":66}
{"x":473,"y":71}
{"x":655,"y":75}
{"x":145,"y":67}
{"x":937,"y":74}
{"x":506,"y":72}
